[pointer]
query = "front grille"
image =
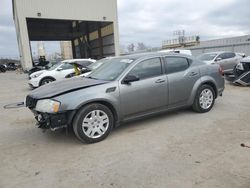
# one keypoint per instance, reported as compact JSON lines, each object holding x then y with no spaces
{"x":30,"y":102}
{"x":246,"y":78}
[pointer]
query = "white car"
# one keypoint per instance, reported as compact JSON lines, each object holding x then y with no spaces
{"x":227,"y":60}
{"x":57,"y":72}
{"x":178,"y":51}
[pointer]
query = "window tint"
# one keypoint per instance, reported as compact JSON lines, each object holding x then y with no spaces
{"x":147,"y":69}
{"x":226,"y":55}
{"x":84,"y":63}
{"x":66,"y":66}
{"x":176,"y":64}
{"x":230,"y":55}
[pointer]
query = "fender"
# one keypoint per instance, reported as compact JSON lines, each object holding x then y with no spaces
{"x":113,"y":107}
{"x":198,"y":83}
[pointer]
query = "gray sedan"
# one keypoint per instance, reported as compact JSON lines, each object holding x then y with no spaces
{"x":123,"y":89}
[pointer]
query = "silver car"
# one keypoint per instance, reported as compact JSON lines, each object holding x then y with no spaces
{"x":124,"y":89}
{"x":227,"y":60}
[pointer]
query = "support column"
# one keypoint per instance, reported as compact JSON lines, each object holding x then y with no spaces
{"x":100,"y":41}
{"x":73,"y":49}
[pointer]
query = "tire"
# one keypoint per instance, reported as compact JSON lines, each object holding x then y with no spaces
{"x":46,"y":81}
{"x":91,"y":130}
{"x":204,"y":99}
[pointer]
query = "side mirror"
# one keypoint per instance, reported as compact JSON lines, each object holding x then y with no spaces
{"x":59,"y":69}
{"x":130,"y":78}
{"x":218,"y":59}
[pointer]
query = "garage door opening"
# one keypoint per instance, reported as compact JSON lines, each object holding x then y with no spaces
{"x":89,"y":39}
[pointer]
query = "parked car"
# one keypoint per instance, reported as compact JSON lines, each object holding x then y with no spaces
{"x":57,"y":72}
{"x":123,"y":89}
{"x":10,"y":66}
{"x":227,"y":60}
{"x":178,"y":51}
{"x":241,"y":73}
{"x":2,"y":68}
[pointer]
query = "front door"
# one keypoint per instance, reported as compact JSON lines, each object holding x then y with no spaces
{"x":147,"y":94}
{"x":63,"y":71}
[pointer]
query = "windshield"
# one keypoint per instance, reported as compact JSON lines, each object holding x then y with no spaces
{"x":55,"y":66}
{"x":207,"y":57}
{"x":97,"y":64}
{"x":111,"y":69}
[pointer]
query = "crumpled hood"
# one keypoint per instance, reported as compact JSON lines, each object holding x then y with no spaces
{"x":64,"y":86}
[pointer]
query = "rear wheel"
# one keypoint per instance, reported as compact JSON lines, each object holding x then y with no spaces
{"x":93,"y":123}
{"x":204,"y":99}
{"x":46,"y":81}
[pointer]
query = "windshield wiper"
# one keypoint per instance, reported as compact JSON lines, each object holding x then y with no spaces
{"x":92,"y":78}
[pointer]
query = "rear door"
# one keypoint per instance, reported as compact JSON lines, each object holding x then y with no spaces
{"x":149,"y":92}
{"x":181,"y":79}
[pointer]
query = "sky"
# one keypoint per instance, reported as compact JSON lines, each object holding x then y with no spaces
{"x":152,"y":21}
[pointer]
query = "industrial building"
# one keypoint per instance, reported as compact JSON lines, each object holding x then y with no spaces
{"x":239,"y":44}
{"x":91,"y":26}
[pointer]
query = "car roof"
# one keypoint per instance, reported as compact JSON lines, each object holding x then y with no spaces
{"x":152,"y":54}
{"x":73,"y":60}
{"x":218,"y":52}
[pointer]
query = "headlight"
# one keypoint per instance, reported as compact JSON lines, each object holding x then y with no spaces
{"x":47,"y":106}
{"x":36,"y":75}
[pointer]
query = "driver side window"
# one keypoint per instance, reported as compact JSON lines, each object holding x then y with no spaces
{"x":66,"y":66}
{"x":222,"y":56}
{"x":147,"y":69}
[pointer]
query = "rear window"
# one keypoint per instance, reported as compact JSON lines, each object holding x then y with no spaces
{"x":207,"y":57}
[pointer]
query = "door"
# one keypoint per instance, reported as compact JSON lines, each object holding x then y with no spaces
{"x":64,"y":70}
{"x":227,"y":61}
{"x":181,"y":79}
{"x":149,"y":93}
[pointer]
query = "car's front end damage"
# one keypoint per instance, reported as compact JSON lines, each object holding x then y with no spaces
{"x":51,"y":112}
{"x":47,"y":114}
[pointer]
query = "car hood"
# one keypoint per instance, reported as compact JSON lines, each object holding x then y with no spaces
{"x":209,"y":62}
{"x":37,"y":72}
{"x":64,"y":86}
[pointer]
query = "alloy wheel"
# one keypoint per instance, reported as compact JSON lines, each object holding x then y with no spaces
{"x":95,"y":124}
{"x":206,"y":98}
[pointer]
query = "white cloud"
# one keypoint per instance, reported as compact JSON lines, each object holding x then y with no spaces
{"x":152,"y":21}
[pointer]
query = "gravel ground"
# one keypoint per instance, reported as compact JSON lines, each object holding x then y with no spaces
{"x":177,"y":149}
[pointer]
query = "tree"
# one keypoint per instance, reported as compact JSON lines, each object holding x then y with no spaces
{"x":131,"y":47}
{"x":141,"y":46}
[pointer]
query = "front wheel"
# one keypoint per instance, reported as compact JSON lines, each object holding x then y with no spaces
{"x":93,"y":123}
{"x":204,"y":99}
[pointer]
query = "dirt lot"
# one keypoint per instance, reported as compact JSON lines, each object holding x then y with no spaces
{"x":179,"y":149}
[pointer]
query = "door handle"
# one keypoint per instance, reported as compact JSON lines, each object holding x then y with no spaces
{"x":159,"y":81}
{"x":193,"y":73}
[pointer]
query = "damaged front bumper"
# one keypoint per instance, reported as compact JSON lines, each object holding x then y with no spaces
{"x":53,"y":121}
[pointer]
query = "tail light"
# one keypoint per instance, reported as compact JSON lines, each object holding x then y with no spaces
{"x":221,"y":71}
